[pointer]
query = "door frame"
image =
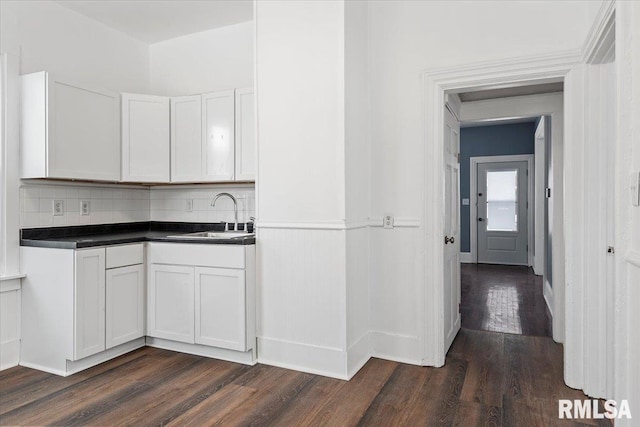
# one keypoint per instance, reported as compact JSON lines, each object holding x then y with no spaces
{"x":473,"y":201}
{"x":514,"y":72}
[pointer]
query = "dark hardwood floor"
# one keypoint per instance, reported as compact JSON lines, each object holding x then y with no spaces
{"x":490,"y":379}
{"x":502,"y":298}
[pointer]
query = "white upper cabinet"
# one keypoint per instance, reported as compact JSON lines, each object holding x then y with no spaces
{"x":68,"y":131}
{"x":218,"y":129}
{"x":145,"y":138}
{"x":186,"y":139}
{"x":245,"y":135}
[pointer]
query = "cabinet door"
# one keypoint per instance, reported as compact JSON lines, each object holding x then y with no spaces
{"x":218,"y":136}
{"x":220,"y":308}
{"x":245,"y":135}
{"x":124,"y":305}
{"x":89,"y":303}
{"x":186,"y":139}
{"x":145,"y":138}
{"x":84,"y":132}
{"x":170,"y":302}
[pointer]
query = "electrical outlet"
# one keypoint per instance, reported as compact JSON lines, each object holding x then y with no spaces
{"x":387,"y":221}
{"x":85,"y":207}
{"x":189,"y":205}
{"x":58,"y":207}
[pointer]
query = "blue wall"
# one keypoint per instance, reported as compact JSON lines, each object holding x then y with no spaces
{"x":498,"y":140}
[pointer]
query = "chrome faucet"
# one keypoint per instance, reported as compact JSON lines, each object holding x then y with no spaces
{"x":235,"y":207}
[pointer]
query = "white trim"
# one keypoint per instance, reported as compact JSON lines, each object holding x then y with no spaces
{"x":466,"y":258}
{"x":337,"y":225}
{"x":633,"y":258}
{"x":473,"y":199}
{"x":243,"y":357}
{"x":547,"y":293}
{"x":11,"y":283}
{"x":314,"y":359}
{"x":396,"y":347}
{"x":600,"y":34}
{"x":514,"y":72}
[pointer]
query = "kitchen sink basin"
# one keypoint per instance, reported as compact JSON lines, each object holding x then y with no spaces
{"x":212,"y":235}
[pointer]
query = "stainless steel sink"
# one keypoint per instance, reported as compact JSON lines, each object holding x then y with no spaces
{"x":212,"y":235}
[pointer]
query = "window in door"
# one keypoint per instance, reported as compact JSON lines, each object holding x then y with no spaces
{"x":502,"y":200}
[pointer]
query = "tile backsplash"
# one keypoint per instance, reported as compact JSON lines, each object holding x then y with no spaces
{"x":174,"y":204}
{"x":107,"y":204}
{"x":114,"y":204}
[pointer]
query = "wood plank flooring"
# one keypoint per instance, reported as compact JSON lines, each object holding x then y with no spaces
{"x":503,"y":298}
{"x":489,"y":379}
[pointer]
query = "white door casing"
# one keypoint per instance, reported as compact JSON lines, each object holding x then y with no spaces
{"x":451,"y":265}
{"x":519,"y":71}
{"x":501,"y":241}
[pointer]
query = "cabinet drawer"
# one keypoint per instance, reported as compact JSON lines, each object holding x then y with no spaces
{"x":120,"y":256}
{"x":199,"y":255}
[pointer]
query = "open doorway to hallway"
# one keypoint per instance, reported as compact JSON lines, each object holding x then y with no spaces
{"x":506,"y":212}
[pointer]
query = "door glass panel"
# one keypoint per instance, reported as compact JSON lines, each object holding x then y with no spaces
{"x":502,"y":200}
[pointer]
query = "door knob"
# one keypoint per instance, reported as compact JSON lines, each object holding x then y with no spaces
{"x":480,"y":219}
{"x":448,"y":239}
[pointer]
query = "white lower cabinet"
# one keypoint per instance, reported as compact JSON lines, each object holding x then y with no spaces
{"x":207,"y":297}
{"x":220,"y":308}
{"x":76,"y":311}
{"x":124,"y":304}
{"x":170,"y":303}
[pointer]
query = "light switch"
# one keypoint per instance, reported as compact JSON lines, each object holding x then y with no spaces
{"x":634,"y":186}
{"x":189,"y":205}
{"x":465,"y":202}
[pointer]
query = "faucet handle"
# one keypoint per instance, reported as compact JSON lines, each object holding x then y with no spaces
{"x":252,"y":218}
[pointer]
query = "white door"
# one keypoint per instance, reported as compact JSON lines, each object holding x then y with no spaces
{"x":451,"y":228}
{"x":124,"y":305}
{"x":245,"y":135}
{"x":145,"y":138}
{"x":89,"y":304}
{"x":186,"y":139}
{"x":220,"y":308}
{"x":170,"y":303}
{"x":218,"y":135}
{"x":502,"y":213}
{"x":84,"y":132}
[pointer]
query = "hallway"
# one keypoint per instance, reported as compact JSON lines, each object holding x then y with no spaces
{"x":503,"y":298}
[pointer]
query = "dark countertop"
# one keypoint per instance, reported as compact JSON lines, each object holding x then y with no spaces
{"x":86,"y":236}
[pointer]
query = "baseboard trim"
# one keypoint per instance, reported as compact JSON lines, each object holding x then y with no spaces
{"x":313,"y":359}
{"x":358,"y":355}
{"x":466,"y":258}
{"x":547,"y":292}
{"x":245,"y":358}
{"x":396,"y":348}
{"x":111,"y":353}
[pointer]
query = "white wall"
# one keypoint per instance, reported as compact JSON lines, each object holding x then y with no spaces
{"x":300,"y":78}
{"x":212,"y":60}
{"x":53,"y":38}
{"x":410,"y":37}
{"x":357,"y":176}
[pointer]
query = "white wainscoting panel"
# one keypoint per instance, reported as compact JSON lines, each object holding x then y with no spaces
{"x":301,"y":300}
{"x":396,"y":294}
{"x":357,"y":291}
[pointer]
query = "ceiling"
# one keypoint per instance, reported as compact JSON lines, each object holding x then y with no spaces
{"x":153,"y":21}
{"x":496,"y":122}
{"x":481,"y":95}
